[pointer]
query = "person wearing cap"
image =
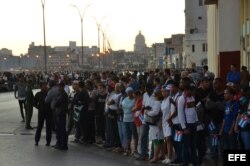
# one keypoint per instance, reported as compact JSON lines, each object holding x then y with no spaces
{"x":128,"y":119}
{"x":188,"y":118}
{"x":44,"y":114}
{"x":166,"y":113}
{"x":61,"y":107}
{"x":29,"y":104}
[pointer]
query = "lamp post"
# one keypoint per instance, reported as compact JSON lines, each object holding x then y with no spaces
{"x":81,"y":19}
{"x":98,"y":24}
{"x":44,"y":37}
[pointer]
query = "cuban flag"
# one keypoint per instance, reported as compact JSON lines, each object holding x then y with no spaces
{"x":214,"y":140}
{"x":243,"y":121}
{"x":211,"y":126}
{"x":178,"y":136}
{"x":141,"y":117}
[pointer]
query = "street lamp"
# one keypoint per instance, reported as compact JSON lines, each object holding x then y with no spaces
{"x":81,"y":18}
{"x":98,"y":24}
{"x":44,"y":36}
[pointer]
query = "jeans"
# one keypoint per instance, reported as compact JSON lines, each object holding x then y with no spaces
{"x":112,"y":132}
{"x":189,"y":146}
{"x":144,"y":140}
{"x":130,"y":130}
{"x":245,"y":136}
{"x":177,"y":145}
{"x":122,"y":131}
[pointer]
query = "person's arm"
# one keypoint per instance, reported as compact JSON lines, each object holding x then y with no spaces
{"x":16,"y":88}
{"x":155,"y":109}
{"x":36,"y":101}
{"x":181,"y":115}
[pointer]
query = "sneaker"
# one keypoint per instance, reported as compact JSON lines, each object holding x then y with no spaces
{"x":166,"y":161}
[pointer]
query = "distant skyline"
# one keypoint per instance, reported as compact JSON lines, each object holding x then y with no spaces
{"x":21,"y":22}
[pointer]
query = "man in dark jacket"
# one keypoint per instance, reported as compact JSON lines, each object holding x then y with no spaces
{"x":61,"y":106}
{"x":44,"y":113}
{"x":29,"y":104}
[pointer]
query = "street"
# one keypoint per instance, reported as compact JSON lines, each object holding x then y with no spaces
{"x":17,"y":144}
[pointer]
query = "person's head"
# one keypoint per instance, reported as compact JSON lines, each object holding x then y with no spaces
{"x":89,"y":85}
{"x":184,"y":83}
{"x":137,"y":94}
{"x":228,"y":94}
{"x":81,"y":85}
{"x":174,"y":87}
{"x":110,"y":88}
{"x":103,"y":75}
{"x":75,"y":85}
{"x":149,"y":88}
{"x":217,"y":84}
{"x":243,"y":68}
{"x":101,"y":88}
{"x":129,"y":92}
{"x":61,"y":86}
{"x":43,"y":86}
{"x":29,"y":82}
{"x":205,"y":68}
{"x":205,"y":82}
{"x":21,"y":79}
{"x":158,"y":95}
{"x":165,"y":90}
{"x":233,"y":67}
{"x":157,"y":81}
{"x":190,"y":89}
{"x":118,"y":87}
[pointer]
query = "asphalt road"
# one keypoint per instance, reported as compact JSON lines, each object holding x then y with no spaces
{"x":17,"y":144}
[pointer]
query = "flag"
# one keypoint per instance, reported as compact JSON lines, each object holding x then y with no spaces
{"x":211,"y":126}
{"x":178,"y":136}
{"x":243,"y":121}
{"x":214,"y":140}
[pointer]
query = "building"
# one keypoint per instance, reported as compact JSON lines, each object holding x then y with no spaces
{"x":195,"y":40}
{"x":140,"y":44}
{"x":174,"y":49}
{"x":245,"y":32}
{"x":223,"y":35}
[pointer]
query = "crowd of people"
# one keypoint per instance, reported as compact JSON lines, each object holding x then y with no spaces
{"x":175,"y":118}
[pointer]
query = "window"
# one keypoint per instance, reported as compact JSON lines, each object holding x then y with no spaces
{"x":204,"y":47}
{"x":193,"y":48}
{"x":199,"y":17}
{"x":200,"y":2}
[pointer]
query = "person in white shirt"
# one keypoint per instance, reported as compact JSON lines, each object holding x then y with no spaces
{"x":155,"y":131}
{"x":188,"y":118}
{"x":166,"y":113}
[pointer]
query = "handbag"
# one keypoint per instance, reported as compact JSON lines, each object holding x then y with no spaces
{"x":152,"y":120}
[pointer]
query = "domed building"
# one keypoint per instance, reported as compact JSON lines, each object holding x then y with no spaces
{"x":140,"y":45}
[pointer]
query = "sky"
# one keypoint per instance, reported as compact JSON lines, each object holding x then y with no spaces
{"x":21,"y":22}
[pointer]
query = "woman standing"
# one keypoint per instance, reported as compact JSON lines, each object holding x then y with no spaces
{"x":155,"y":131}
{"x":128,"y":119}
{"x":166,"y":113}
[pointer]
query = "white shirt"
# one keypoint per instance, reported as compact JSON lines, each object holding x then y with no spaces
{"x":190,"y":115}
{"x":147,"y":101}
{"x":175,"y":120}
{"x":165,"y":109}
{"x":115,"y":98}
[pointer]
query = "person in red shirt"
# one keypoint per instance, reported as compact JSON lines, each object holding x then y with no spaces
{"x":137,"y":109}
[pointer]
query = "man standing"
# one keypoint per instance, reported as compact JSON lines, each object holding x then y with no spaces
{"x":244,"y":77}
{"x":44,"y":113}
{"x":29,"y":104}
{"x":61,"y":106}
{"x":20,"y":95}
{"x":233,"y":75}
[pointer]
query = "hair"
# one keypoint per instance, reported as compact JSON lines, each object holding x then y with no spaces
{"x":243,"y":68}
{"x":158,"y":94}
{"x":138,"y":93}
{"x":205,"y":67}
{"x":81,"y":84}
{"x":101,"y":85}
{"x":176,"y":84}
{"x":157,"y":79}
{"x":230,"y":91}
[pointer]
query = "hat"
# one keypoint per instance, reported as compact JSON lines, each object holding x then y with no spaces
{"x":168,"y":87}
{"x":129,"y":89}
